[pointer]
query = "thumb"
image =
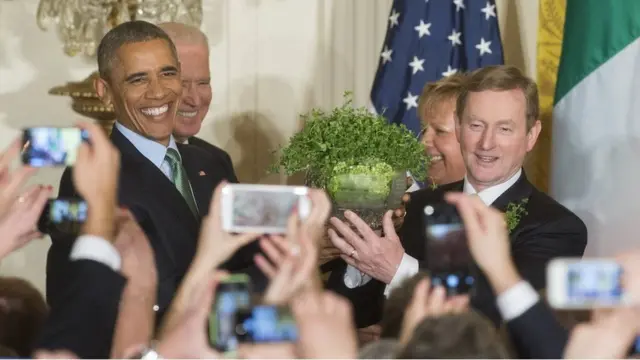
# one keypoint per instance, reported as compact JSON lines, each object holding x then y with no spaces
{"x":420,"y":295}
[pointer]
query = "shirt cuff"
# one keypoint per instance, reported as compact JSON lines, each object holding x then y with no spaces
{"x":91,"y":247}
{"x":409,"y":266}
{"x":516,"y":300}
{"x":354,"y":278}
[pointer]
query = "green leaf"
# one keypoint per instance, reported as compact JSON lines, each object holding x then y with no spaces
{"x":352,"y":136}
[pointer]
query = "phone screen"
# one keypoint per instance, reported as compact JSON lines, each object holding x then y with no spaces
{"x":50,"y":146}
{"x":447,"y":252}
{"x":231,"y":296}
{"x":266,"y":324}
{"x":63,"y":215}
{"x":594,"y":282}
{"x":263,"y":209}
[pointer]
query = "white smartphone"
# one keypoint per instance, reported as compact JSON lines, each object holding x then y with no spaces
{"x":262,"y":209}
{"x":574,"y":283}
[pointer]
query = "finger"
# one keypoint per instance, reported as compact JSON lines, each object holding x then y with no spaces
{"x":38,"y":204}
{"x":17,"y":180}
{"x":421,"y":292}
{"x":10,"y":153}
{"x":265,"y":266}
{"x":362,"y":227}
{"x":293,"y":223}
{"x":436,"y":301}
{"x":349,"y":260}
{"x":469,"y":215}
{"x":348,"y":235}
{"x":280,"y":243}
{"x":388,"y":227}
{"x":26,"y":238}
{"x":399,"y":213}
{"x":320,"y":206}
{"x":98,"y":138}
{"x":406,"y":198}
{"x":274,"y":254}
{"x":215,"y":205}
{"x":243,"y":239}
{"x":340,"y":243}
{"x":460,"y":304}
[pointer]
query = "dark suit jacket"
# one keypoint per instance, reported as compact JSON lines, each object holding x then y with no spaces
{"x":162,"y":213}
{"x":91,"y":288}
{"x":547,"y":231}
{"x":217,"y":152}
{"x":536,"y":334}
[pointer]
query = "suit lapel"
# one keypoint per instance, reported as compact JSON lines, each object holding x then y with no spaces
{"x":199,"y":178}
{"x":519,"y":191}
{"x":154,"y":181}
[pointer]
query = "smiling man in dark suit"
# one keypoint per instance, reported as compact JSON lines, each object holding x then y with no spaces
{"x":166,"y":186}
{"x":497,"y":125}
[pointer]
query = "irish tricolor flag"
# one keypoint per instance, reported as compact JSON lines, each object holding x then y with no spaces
{"x":596,"y":122}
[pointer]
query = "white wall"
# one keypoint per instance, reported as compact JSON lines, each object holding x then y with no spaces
{"x":270,"y":61}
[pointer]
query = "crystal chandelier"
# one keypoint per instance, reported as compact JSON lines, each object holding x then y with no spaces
{"x":81,"y":24}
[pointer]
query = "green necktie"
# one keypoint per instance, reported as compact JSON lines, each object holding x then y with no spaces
{"x":180,"y":179}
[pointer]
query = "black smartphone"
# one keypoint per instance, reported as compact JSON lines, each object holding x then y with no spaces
{"x":51,"y":146}
{"x":63,"y":215}
{"x":232,"y":294}
{"x":448,"y":257}
{"x":266,"y":324}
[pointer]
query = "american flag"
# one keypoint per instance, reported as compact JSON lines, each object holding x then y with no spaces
{"x":426,"y":40}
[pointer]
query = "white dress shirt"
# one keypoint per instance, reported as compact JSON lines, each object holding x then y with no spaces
{"x":96,"y":248}
{"x":409,"y":265}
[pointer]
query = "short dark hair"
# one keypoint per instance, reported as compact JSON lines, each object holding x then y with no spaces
{"x":468,"y":335}
{"x":396,"y":305}
{"x":128,"y":33}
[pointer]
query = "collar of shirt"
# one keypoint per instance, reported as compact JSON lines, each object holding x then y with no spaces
{"x":153,"y":151}
{"x":490,"y":194}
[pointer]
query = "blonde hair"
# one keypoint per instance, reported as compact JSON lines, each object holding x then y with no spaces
{"x":502,"y":78}
{"x":434,"y":93}
{"x":184,"y":34}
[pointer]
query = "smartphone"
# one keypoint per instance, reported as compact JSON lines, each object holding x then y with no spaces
{"x":575,"y":283}
{"x":63,"y":215}
{"x":232,"y":294}
{"x":266,"y":324}
{"x":447,"y":252}
{"x":262,"y":209}
{"x":51,"y":146}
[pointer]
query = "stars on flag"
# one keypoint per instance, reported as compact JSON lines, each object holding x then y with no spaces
{"x":386,"y":55}
{"x":393,"y":19}
{"x":484,"y":47}
{"x":450,"y":71}
{"x":489,"y":11}
{"x":455,"y":38}
{"x":411,"y":100}
{"x":416,"y":64}
{"x":428,"y":40}
{"x":423,"y":29}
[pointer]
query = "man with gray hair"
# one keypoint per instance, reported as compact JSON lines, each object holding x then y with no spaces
{"x":193,"y":52}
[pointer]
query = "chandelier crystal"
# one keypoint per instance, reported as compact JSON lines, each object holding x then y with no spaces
{"x":82,"y":23}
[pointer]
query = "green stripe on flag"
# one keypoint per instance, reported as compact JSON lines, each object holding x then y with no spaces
{"x":594,"y":31}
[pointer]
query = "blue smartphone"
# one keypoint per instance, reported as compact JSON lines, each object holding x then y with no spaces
{"x":63,"y":215}
{"x":51,"y":146}
{"x":266,"y":324}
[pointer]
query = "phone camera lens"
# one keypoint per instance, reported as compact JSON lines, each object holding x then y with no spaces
{"x":240,"y":330}
{"x":428,"y":210}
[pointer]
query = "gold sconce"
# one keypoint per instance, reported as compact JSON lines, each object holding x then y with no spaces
{"x":82,"y":23}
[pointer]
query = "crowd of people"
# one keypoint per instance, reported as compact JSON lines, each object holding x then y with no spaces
{"x":140,"y":280}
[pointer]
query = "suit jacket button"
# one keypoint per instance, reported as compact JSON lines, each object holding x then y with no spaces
{"x":156,"y":307}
